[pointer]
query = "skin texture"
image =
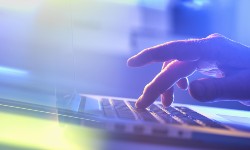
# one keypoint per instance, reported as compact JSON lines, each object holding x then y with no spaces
{"x":225,"y":62}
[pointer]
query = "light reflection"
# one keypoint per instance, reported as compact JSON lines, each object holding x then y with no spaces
{"x":29,"y":5}
{"x":12,"y":71}
{"x":197,"y":4}
{"x":19,"y":5}
{"x":34,"y":133}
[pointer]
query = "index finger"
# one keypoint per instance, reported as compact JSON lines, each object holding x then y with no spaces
{"x":165,"y":80}
{"x":181,"y":50}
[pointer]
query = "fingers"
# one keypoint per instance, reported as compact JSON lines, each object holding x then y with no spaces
{"x":183,"y":83}
{"x":181,"y":50}
{"x":164,"y":80}
{"x":167,"y":97}
{"x":235,"y":87}
{"x":210,"y":48}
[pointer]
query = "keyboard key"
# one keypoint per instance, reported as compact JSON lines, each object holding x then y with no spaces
{"x":122,"y":110}
{"x":163,"y":115}
{"x":196,"y":116}
{"x":107,"y":108}
{"x":190,"y":121}
{"x":132,"y":103}
{"x":144,"y":114}
{"x":105,"y":102}
{"x":182,"y":116}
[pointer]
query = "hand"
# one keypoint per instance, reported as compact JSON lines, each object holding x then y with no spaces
{"x":217,"y":56}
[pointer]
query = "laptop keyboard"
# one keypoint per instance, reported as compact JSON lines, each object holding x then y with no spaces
{"x":122,"y":110}
{"x":108,"y":109}
{"x":177,"y":115}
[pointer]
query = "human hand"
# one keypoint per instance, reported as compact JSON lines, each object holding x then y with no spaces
{"x":215,"y":55}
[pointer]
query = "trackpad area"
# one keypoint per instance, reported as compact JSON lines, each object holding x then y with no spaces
{"x":237,"y":122}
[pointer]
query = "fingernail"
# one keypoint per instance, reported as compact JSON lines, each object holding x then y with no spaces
{"x":197,"y":90}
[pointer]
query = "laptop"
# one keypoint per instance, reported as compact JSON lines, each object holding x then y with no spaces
{"x":178,"y":124}
{"x":181,"y":124}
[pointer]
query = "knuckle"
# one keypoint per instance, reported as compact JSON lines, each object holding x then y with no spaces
{"x":215,"y":35}
{"x":217,"y":38}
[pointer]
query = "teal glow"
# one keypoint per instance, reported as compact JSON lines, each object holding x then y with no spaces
{"x":153,"y":4}
{"x":12,"y":71}
{"x":197,"y":4}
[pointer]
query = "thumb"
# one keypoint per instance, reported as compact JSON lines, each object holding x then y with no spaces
{"x":235,"y":87}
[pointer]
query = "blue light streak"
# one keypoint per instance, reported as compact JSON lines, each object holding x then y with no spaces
{"x":12,"y":71}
